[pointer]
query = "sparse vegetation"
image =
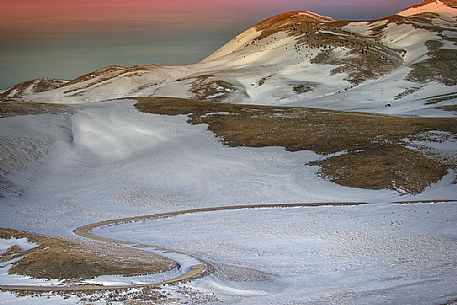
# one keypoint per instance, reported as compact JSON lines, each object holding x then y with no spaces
{"x":302,"y":88}
{"x":12,"y":108}
{"x":58,"y":258}
{"x":11,"y":253}
{"x":407,"y":92}
{"x":432,"y":100}
{"x":442,"y":63}
{"x":99,"y":73}
{"x":216,"y":89}
{"x":374,"y":144}
{"x":448,"y":108}
{"x":366,"y":59}
{"x":104,"y":75}
{"x":37,"y":85}
{"x":203,"y":87}
{"x":401,"y":168}
{"x":262,"y":81}
{"x":440,"y":67}
{"x":442,"y":98}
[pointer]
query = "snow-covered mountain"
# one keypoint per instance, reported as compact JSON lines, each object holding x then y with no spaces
{"x":406,"y":62}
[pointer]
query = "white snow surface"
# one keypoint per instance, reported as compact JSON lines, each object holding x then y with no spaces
{"x":376,"y":254}
{"x":111,"y":161}
{"x":22,"y":243}
{"x":9,"y":298}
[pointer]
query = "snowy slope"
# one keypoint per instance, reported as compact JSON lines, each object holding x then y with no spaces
{"x":235,"y":44}
{"x":128,"y":163}
{"x":110,"y":161}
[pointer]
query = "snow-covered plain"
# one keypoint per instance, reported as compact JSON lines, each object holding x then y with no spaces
{"x":376,"y":254}
{"x":108,"y":160}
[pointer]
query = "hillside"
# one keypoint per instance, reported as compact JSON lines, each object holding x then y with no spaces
{"x":307,"y":161}
{"x":401,"y":64}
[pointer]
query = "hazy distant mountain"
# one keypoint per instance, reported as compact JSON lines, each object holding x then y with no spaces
{"x":406,"y":61}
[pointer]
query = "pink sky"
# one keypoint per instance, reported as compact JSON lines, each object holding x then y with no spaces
{"x":63,"y":15}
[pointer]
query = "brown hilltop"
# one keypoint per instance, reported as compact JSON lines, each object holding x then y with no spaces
{"x":289,"y":18}
{"x":451,"y":3}
{"x":292,"y":22}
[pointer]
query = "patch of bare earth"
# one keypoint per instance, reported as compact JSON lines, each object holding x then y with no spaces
{"x":11,"y":253}
{"x":407,"y":92}
{"x":451,"y":108}
{"x":389,"y":165}
{"x":440,"y":66}
{"x":365,"y":59}
{"x":59,"y":258}
{"x":302,"y":88}
{"x":12,"y":108}
{"x":439,"y":99}
{"x":95,"y":78}
{"x":376,"y":154}
{"x":207,"y":87}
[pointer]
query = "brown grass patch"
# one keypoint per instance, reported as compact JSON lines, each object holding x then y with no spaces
{"x":452,"y":108}
{"x":366,"y":60}
{"x":403,"y":169}
{"x":11,"y":253}
{"x":439,"y":99}
{"x":205,"y":86}
{"x":103,"y":75}
{"x":440,"y":67}
{"x":379,"y":137}
{"x":110,"y":70}
{"x":58,"y":258}
{"x":13,"y":108}
{"x":302,"y":88}
{"x":407,"y":92}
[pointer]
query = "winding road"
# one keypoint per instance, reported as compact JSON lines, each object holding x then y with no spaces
{"x":198,"y":269}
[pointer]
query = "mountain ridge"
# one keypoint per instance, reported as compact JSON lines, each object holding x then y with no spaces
{"x":451,"y":3}
{"x":297,"y":58}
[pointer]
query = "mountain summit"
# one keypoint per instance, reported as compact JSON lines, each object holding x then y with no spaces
{"x":450,"y":3}
{"x":440,"y":7}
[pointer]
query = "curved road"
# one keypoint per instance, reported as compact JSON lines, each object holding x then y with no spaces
{"x":198,"y":270}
